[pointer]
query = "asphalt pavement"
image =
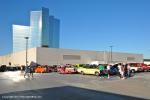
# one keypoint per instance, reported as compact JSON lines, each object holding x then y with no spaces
{"x":54,"y":86}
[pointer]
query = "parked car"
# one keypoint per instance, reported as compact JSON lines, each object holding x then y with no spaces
{"x":40,"y":69}
{"x":66,"y":70}
{"x":145,"y":67}
{"x":13,"y":68}
{"x":51,"y":69}
{"x":3,"y":68}
{"x":79,"y":65}
{"x":114,"y":69}
{"x":88,"y":70}
{"x":135,"y":67}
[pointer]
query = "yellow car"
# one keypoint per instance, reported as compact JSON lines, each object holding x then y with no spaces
{"x":92,"y":71}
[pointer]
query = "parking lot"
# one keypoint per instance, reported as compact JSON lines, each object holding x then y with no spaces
{"x":54,"y":86}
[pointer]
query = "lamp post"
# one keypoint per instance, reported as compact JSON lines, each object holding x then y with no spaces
{"x":111,"y":57}
{"x":26,"y":50}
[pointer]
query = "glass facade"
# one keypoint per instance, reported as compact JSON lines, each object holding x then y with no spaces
{"x":43,"y":31}
{"x":36,"y":28}
{"x":19,"y":34}
{"x":45,"y":27}
{"x":54,"y":32}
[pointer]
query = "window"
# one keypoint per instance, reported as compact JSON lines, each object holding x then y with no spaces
{"x":71,"y":57}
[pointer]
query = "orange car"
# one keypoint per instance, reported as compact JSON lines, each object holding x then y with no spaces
{"x":40,"y":69}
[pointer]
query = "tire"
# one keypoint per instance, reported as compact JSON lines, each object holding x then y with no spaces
{"x":82,"y":72}
{"x":132,"y":74}
{"x":96,"y":73}
{"x":132,"y":71}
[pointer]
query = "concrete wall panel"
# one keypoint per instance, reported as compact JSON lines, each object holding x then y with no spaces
{"x":53,"y":56}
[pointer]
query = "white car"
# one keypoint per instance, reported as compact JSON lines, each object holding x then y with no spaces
{"x":135,"y":69}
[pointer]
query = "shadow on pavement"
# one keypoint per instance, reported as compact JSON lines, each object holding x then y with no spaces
{"x":64,"y":93}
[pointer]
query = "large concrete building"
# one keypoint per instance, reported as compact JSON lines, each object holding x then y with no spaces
{"x":42,"y":32}
{"x":53,"y":56}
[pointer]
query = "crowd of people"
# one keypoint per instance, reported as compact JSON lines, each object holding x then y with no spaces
{"x":123,"y":70}
{"x":29,"y":70}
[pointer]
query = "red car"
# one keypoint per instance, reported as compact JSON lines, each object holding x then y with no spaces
{"x":51,"y":69}
{"x":66,"y":70}
{"x":145,"y":67}
{"x":141,"y":66}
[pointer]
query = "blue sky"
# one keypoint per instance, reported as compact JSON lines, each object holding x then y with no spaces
{"x":85,"y":24}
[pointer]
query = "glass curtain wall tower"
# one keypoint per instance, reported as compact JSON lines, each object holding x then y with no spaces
{"x":19,"y":32}
{"x":54,"y":32}
{"x":42,"y":32}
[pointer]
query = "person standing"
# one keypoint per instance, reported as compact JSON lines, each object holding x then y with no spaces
{"x":121,"y":70}
{"x":31,"y":71}
{"x":108,"y":71}
{"x":101,"y":68}
{"x":128,"y":70}
{"x":27,"y":70}
{"x":32,"y":67}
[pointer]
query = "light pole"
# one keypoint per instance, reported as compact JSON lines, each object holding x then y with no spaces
{"x":111,"y":57}
{"x":26,"y":50}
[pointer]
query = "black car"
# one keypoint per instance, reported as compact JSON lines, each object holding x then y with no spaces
{"x":114,"y":70}
{"x":3,"y":68}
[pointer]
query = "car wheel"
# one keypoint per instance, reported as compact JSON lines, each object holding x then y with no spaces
{"x":133,"y":71}
{"x":132,"y":74}
{"x":96,"y":73}
{"x":82,"y":72}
